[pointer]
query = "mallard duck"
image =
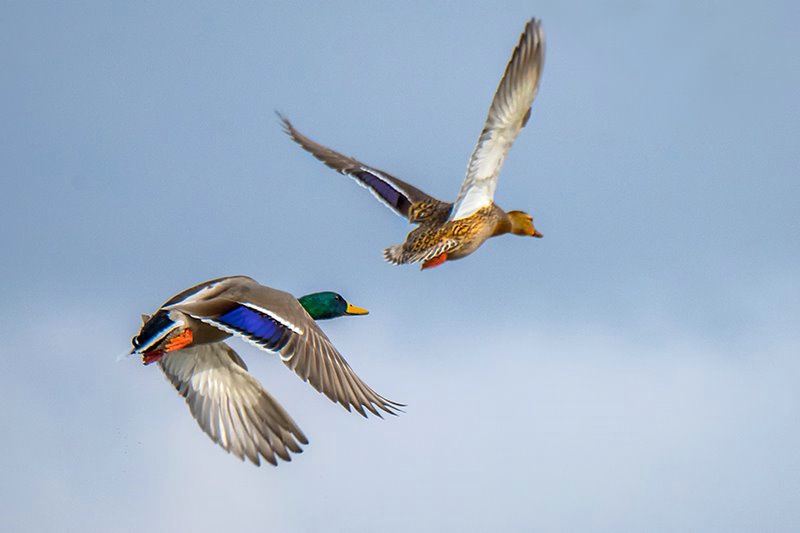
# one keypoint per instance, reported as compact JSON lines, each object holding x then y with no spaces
{"x":185,"y":338}
{"x":451,"y":231}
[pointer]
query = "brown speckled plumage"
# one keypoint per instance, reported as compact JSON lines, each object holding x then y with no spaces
{"x":456,"y":238}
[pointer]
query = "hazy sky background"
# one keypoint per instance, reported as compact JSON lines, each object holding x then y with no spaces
{"x":635,"y":370}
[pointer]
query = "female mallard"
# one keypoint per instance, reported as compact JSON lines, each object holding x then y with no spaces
{"x":185,"y":337}
{"x":452,"y":231}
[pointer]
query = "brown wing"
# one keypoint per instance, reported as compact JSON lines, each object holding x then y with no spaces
{"x":394,"y":193}
{"x":314,"y":358}
{"x":274,"y":321}
{"x":230,"y":405}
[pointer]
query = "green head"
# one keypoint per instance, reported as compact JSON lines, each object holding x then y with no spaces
{"x":322,"y":305}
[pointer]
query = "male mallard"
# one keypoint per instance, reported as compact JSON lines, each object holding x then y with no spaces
{"x":185,"y":337}
{"x":452,"y":231}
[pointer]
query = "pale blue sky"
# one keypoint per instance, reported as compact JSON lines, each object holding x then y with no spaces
{"x":635,"y":370}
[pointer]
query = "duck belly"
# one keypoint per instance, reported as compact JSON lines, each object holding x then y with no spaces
{"x":466,"y":248}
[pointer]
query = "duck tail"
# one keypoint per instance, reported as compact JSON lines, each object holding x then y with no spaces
{"x":155,"y":330}
{"x":415,"y":252}
{"x":395,"y":254}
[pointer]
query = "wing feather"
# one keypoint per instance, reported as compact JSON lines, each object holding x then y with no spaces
{"x":508,"y":114}
{"x":392,"y":192}
{"x":285,"y":328}
{"x":335,"y":378}
{"x":229,"y":404}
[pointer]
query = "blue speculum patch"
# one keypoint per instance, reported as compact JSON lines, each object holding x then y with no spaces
{"x":259,"y":327}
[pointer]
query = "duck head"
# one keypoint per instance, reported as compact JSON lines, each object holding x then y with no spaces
{"x":522,"y":224}
{"x":324,"y":305}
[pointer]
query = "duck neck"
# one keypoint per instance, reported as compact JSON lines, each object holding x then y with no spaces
{"x":502,"y":227}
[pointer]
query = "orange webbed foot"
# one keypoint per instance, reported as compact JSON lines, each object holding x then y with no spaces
{"x":181,"y":340}
{"x":436,"y":261}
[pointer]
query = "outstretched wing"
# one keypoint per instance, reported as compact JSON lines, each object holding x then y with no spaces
{"x":395,"y":194}
{"x":287,"y":329}
{"x":313,"y":357}
{"x":508,"y":114}
{"x":230,"y":405}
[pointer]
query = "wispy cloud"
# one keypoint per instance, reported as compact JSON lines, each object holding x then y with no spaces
{"x":543,"y":429}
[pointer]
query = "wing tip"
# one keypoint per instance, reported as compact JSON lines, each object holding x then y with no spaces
{"x":533,"y":37}
{"x":288,"y":128}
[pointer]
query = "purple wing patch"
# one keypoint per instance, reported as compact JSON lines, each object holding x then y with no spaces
{"x":396,"y":199}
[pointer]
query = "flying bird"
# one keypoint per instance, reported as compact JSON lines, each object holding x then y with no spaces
{"x":185,"y":337}
{"x":448,"y":231}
